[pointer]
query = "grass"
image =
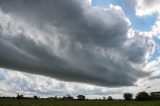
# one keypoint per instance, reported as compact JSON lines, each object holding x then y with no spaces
{"x":24,"y":102}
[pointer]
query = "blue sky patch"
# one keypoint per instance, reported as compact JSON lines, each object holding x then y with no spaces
{"x":157,"y":51}
{"x":143,"y":23}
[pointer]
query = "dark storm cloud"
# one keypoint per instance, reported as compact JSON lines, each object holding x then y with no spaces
{"x":73,"y":18}
{"x":69,"y":40}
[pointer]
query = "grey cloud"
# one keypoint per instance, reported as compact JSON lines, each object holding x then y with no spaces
{"x":154,"y":77}
{"x":86,"y":45}
{"x":58,"y":68}
{"x":140,"y":47}
{"x":93,"y":26}
{"x":150,"y":2}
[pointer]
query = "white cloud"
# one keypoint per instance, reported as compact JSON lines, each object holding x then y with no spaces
{"x":154,"y":67}
{"x":155,"y":30}
{"x":29,"y":85}
{"x":147,"y":7}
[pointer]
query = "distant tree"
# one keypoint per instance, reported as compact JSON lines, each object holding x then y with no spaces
{"x":127,"y":96}
{"x":19,"y":96}
{"x":35,"y":97}
{"x":81,"y":97}
{"x":155,"y":95}
{"x":109,"y":98}
{"x":104,"y":98}
{"x":55,"y":98}
{"x":68,"y":97}
{"x":142,"y":96}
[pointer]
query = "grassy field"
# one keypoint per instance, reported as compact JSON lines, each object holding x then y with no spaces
{"x":14,"y":102}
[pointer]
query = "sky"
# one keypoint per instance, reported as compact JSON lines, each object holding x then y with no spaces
{"x":91,"y":47}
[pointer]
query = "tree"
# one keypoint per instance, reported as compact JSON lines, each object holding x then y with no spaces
{"x":142,"y":96}
{"x":81,"y":97}
{"x":55,"y":98}
{"x":19,"y":96}
{"x":68,"y":97}
{"x":109,"y":98}
{"x":155,"y":95}
{"x":35,"y":97}
{"x":127,"y":96}
{"x":104,"y":98}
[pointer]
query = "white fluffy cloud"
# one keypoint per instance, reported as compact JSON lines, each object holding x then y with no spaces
{"x":147,"y":7}
{"x":155,"y":32}
{"x":144,"y":8}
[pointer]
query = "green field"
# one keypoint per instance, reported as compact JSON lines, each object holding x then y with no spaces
{"x":14,"y":102}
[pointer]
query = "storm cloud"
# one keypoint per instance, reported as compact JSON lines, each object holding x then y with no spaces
{"x":72,"y":41}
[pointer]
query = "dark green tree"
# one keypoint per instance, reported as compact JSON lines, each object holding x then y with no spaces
{"x":19,"y":96}
{"x":68,"y":97}
{"x":109,"y":98}
{"x":155,"y":95}
{"x":127,"y":96}
{"x":143,"y":96}
{"x":81,"y":97}
{"x":35,"y":97}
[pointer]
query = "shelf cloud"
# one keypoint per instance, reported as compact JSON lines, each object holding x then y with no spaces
{"x":72,"y":41}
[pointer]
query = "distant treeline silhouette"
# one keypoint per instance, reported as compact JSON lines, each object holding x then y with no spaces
{"x":140,"y":96}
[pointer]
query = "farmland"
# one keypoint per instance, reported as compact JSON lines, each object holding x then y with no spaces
{"x":40,"y":102}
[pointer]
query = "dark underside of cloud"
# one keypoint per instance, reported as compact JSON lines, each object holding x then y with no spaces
{"x":69,"y":40}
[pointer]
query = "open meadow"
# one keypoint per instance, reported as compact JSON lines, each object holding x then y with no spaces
{"x":24,"y":102}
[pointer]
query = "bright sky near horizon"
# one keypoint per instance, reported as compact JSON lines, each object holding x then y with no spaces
{"x":92,"y":47}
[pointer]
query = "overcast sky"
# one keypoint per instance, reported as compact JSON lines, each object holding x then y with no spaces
{"x":91,"y":47}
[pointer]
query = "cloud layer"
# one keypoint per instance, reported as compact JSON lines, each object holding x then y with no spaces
{"x":45,"y":87}
{"x":72,"y":41}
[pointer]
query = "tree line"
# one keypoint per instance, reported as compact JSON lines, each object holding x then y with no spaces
{"x":140,"y":96}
